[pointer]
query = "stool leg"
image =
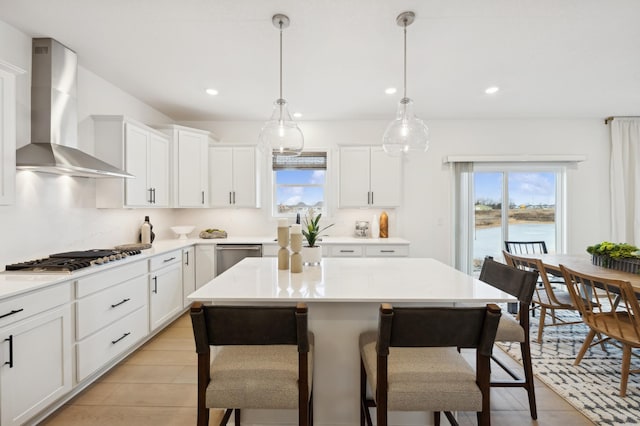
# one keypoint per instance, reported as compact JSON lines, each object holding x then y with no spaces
{"x":525,"y":349}
{"x":237,"y":417}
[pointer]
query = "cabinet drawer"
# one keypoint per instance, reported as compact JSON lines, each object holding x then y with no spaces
{"x":35,"y":302}
{"x":387,"y":251}
{"x":98,"y":349}
{"x":166,"y":259}
{"x":107,"y":306}
{"x":346,"y":251}
{"x":101,"y":280}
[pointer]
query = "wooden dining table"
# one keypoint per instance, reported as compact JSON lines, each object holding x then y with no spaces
{"x":582,"y":263}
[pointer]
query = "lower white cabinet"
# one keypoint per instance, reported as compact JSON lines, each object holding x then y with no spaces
{"x":188,"y":273}
{"x":36,"y":361}
{"x":165,"y":288}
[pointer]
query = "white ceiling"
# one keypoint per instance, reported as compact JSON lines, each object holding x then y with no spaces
{"x":551,"y":58}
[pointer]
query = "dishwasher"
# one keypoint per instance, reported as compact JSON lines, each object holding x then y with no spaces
{"x":228,"y":255}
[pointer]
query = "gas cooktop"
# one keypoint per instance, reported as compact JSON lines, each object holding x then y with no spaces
{"x":71,"y":261}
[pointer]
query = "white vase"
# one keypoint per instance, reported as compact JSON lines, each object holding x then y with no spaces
{"x":311,"y":255}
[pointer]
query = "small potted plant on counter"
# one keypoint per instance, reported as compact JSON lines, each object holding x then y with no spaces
{"x":312,"y":253}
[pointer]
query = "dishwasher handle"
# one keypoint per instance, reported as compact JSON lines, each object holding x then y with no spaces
{"x":239,"y":247}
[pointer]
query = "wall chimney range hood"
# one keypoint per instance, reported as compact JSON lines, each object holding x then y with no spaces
{"x":54,"y":119}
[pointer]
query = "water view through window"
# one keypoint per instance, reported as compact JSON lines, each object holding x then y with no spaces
{"x":528,"y":214}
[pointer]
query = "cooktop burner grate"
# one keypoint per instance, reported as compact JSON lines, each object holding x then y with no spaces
{"x":71,"y":261}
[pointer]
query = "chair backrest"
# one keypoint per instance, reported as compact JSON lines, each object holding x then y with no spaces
{"x":525,"y":247}
{"x":517,"y":282}
{"x":249,"y":325}
{"x":610,"y":299}
{"x":438,"y":327}
{"x":544,"y":293}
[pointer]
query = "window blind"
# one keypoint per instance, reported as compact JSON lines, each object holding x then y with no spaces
{"x":306,"y":160}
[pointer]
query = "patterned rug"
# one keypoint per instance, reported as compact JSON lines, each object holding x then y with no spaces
{"x":591,"y":387}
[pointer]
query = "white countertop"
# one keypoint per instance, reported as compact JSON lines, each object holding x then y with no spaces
{"x":15,"y":283}
{"x":348,"y":280}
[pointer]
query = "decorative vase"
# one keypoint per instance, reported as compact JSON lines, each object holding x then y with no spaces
{"x":311,"y":255}
{"x":296,"y":247}
{"x":384,"y":225}
{"x":283,"y":242}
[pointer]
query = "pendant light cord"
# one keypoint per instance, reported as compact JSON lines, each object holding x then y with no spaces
{"x":405,"y":57}
{"x":280,"y":59}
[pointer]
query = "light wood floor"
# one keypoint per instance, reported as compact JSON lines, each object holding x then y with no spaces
{"x":156,"y":385}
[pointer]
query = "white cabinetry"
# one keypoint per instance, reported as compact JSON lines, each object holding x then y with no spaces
{"x":188,"y":273}
{"x":36,"y":362}
{"x":205,"y":264}
{"x":369,"y":177}
{"x":233,"y":177}
{"x":165,"y":288}
{"x":142,"y":152}
{"x":111,"y":315}
{"x":190,"y":166}
{"x":8,"y":132}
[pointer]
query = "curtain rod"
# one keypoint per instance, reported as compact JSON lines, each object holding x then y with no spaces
{"x":609,"y":119}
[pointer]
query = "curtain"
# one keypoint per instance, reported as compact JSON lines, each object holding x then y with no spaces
{"x":462,"y":208}
{"x":625,"y":180}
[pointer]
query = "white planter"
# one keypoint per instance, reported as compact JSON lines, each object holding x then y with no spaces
{"x":311,"y":255}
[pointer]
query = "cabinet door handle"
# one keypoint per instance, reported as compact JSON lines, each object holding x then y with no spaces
{"x":230,"y":202}
{"x":187,"y":262}
{"x":150,"y":195}
{"x":169,"y":259}
{"x":234,"y":197}
{"x":346,"y":251}
{"x":371,"y":197}
{"x":387,"y":251}
{"x":113,"y":342}
{"x":13,"y":312}
{"x":120,"y":303}
{"x":202,"y":197}
{"x":155,"y":284}
{"x":10,"y":340}
{"x":368,"y":197}
{"x":154,"y":195}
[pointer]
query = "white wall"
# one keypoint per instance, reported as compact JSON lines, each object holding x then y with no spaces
{"x":57,"y":213}
{"x":426,"y":217}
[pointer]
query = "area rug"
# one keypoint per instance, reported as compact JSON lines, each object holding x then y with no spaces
{"x":591,"y":387}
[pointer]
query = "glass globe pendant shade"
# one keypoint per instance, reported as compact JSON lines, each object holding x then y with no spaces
{"x":281,"y":133}
{"x":406,"y":133}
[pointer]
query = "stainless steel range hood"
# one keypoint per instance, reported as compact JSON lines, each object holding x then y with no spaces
{"x":54,"y":119}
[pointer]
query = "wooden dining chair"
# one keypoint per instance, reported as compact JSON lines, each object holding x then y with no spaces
{"x":412,"y":362}
{"x":520,"y":284}
{"x":611,"y":313}
{"x":263,"y":360}
{"x":525,"y":247}
{"x":545,"y":297}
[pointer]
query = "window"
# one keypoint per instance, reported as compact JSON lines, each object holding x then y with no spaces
{"x":498,"y":202}
{"x":299,"y":183}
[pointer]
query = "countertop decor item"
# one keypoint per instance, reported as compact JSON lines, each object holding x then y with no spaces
{"x":182,"y":231}
{"x":146,"y":233}
{"x":296,"y":248}
{"x":312,"y":253}
{"x":283,"y":242}
{"x":384,"y":225}
{"x":212,"y":233}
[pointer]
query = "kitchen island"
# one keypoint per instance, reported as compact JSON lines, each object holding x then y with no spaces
{"x":343,"y":296}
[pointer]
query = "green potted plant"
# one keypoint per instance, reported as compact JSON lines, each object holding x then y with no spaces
{"x":616,"y":256}
{"x":312,"y":253}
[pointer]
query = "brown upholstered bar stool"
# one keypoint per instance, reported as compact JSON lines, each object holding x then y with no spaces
{"x":520,"y":284}
{"x":264,"y":360}
{"x":412,"y":363}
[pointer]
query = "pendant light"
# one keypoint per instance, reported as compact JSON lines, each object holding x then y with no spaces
{"x":407,"y":132}
{"x":281,"y":133}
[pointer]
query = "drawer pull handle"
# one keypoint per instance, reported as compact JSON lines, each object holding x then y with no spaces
{"x":113,"y":342}
{"x":13,"y":312}
{"x":346,"y":251}
{"x":155,"y":284}
{"x":120,"y":303}
{"x":10,"y":340}
{"x":387,"y":251}
{"x":169,"y":259}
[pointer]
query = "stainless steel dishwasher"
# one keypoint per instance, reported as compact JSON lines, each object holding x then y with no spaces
{"x":228,"y":255}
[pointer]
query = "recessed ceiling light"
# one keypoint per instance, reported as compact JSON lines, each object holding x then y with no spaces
{"x":390,"y":90}
{"x":212,"y":92}
{"x":491,"y":90}
{"x":297,"y":114}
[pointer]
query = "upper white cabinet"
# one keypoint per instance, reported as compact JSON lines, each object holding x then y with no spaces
{"x":141,"y":151}
{"x":369,"y":177}
{"x":233,"y":177}
{"x":8,"y":132}
{"x":190,"y":170}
